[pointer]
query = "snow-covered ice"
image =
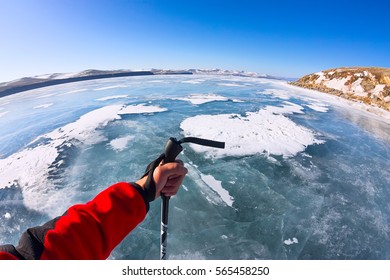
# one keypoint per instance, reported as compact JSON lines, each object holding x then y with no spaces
{"x":198,"y":99}
{"x":266,"y":131}
{"x":217,"y":187}
{"x":141,"y":109}
{"x":43,"y":106}
{"x":119,"y":144}
{"x":291,"y":241}
{"x":112,"y":97}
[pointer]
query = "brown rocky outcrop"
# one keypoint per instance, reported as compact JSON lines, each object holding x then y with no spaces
{"x":370,"y":85}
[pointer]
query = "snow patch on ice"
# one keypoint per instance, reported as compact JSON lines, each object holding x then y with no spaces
{"x":280,"y":93}
{"x":110,"y":87}
{"x":210,"y":188}
{"x":217,"y":187}
{"x":46,"y":95}
{"x":43,"y":106}
{"x":2,"y":114}
{"x":287,"y":108}
{"x":266,"y":131}
{"x":30,"y":168}
{"x":322,"y":108}
{"x":231,"y":85}
{"x":290,"y":241}
{"x":198,"y":81}
{"x":84,"y":129}
{"x":141,"y":109}
{"x":112,"y":97}
{"x":119,"y":144}
{"x":74,"y":91}
{"x":7,"y":216}
{"x":198,"y":99}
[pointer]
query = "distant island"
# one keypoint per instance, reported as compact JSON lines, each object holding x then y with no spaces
{"x":370,"y":85}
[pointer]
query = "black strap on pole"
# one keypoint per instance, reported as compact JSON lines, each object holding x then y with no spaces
{"x":172,"y":149}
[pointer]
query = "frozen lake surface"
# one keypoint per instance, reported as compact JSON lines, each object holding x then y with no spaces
{"x":304,"y":175}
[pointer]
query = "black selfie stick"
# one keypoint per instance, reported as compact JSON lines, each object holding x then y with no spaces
{"x":172,"y":149}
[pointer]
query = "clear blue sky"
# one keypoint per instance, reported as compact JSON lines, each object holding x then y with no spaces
{"x":283,"y":38}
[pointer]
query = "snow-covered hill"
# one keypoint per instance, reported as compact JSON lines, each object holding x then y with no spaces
{"x":370,"y":85}
{"x":39,"y":81}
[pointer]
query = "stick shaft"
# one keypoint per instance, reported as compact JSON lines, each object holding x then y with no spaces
{"x":164,"y":226}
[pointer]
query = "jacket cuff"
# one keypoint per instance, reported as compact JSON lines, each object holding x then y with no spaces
{"x":143,"y":193}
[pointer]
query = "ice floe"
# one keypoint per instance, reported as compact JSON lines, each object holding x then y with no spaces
{"x":110,"y":87}
{"x":141,"y":109}
{"x":43,"y":106}
{"x":198,"y":99}
{"x":75,"y":91}
{"x":211,"y":188}
{"x":197,"y":81}
{"x":217,"y":187}
{"x":119,"y":144}
{"x":2,"y":114}
{"x":112,"y":97}
{"x":7,"y":215}
{"x":280,"y":93}
{"x":290,"y":241}
{"x":322,"y":108}
{"x":231,"y":85}
{"x":267,"y":131}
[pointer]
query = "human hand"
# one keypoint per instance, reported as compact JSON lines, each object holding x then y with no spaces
{"x":167,"y":177}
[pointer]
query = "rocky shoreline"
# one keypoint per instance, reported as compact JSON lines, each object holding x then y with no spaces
{"x":369,"y":85}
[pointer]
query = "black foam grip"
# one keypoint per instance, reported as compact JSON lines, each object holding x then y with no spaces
{"x":172,"y":150}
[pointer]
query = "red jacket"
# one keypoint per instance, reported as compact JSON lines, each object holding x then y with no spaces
{"x":85,"y":231}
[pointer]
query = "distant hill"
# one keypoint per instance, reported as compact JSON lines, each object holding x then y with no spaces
{"x":29,"y":83}
{"x":370,"y":85}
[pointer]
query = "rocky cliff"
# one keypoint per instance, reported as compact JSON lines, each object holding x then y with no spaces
{"x":370,"y":85}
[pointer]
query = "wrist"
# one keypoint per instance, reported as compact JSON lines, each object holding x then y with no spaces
{"x":141,"y":190}
{"x":141,"y":182}
{"x":148,"y":185}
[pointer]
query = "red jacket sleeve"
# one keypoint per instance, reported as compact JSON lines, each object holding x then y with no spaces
{"x":87,"y":231}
